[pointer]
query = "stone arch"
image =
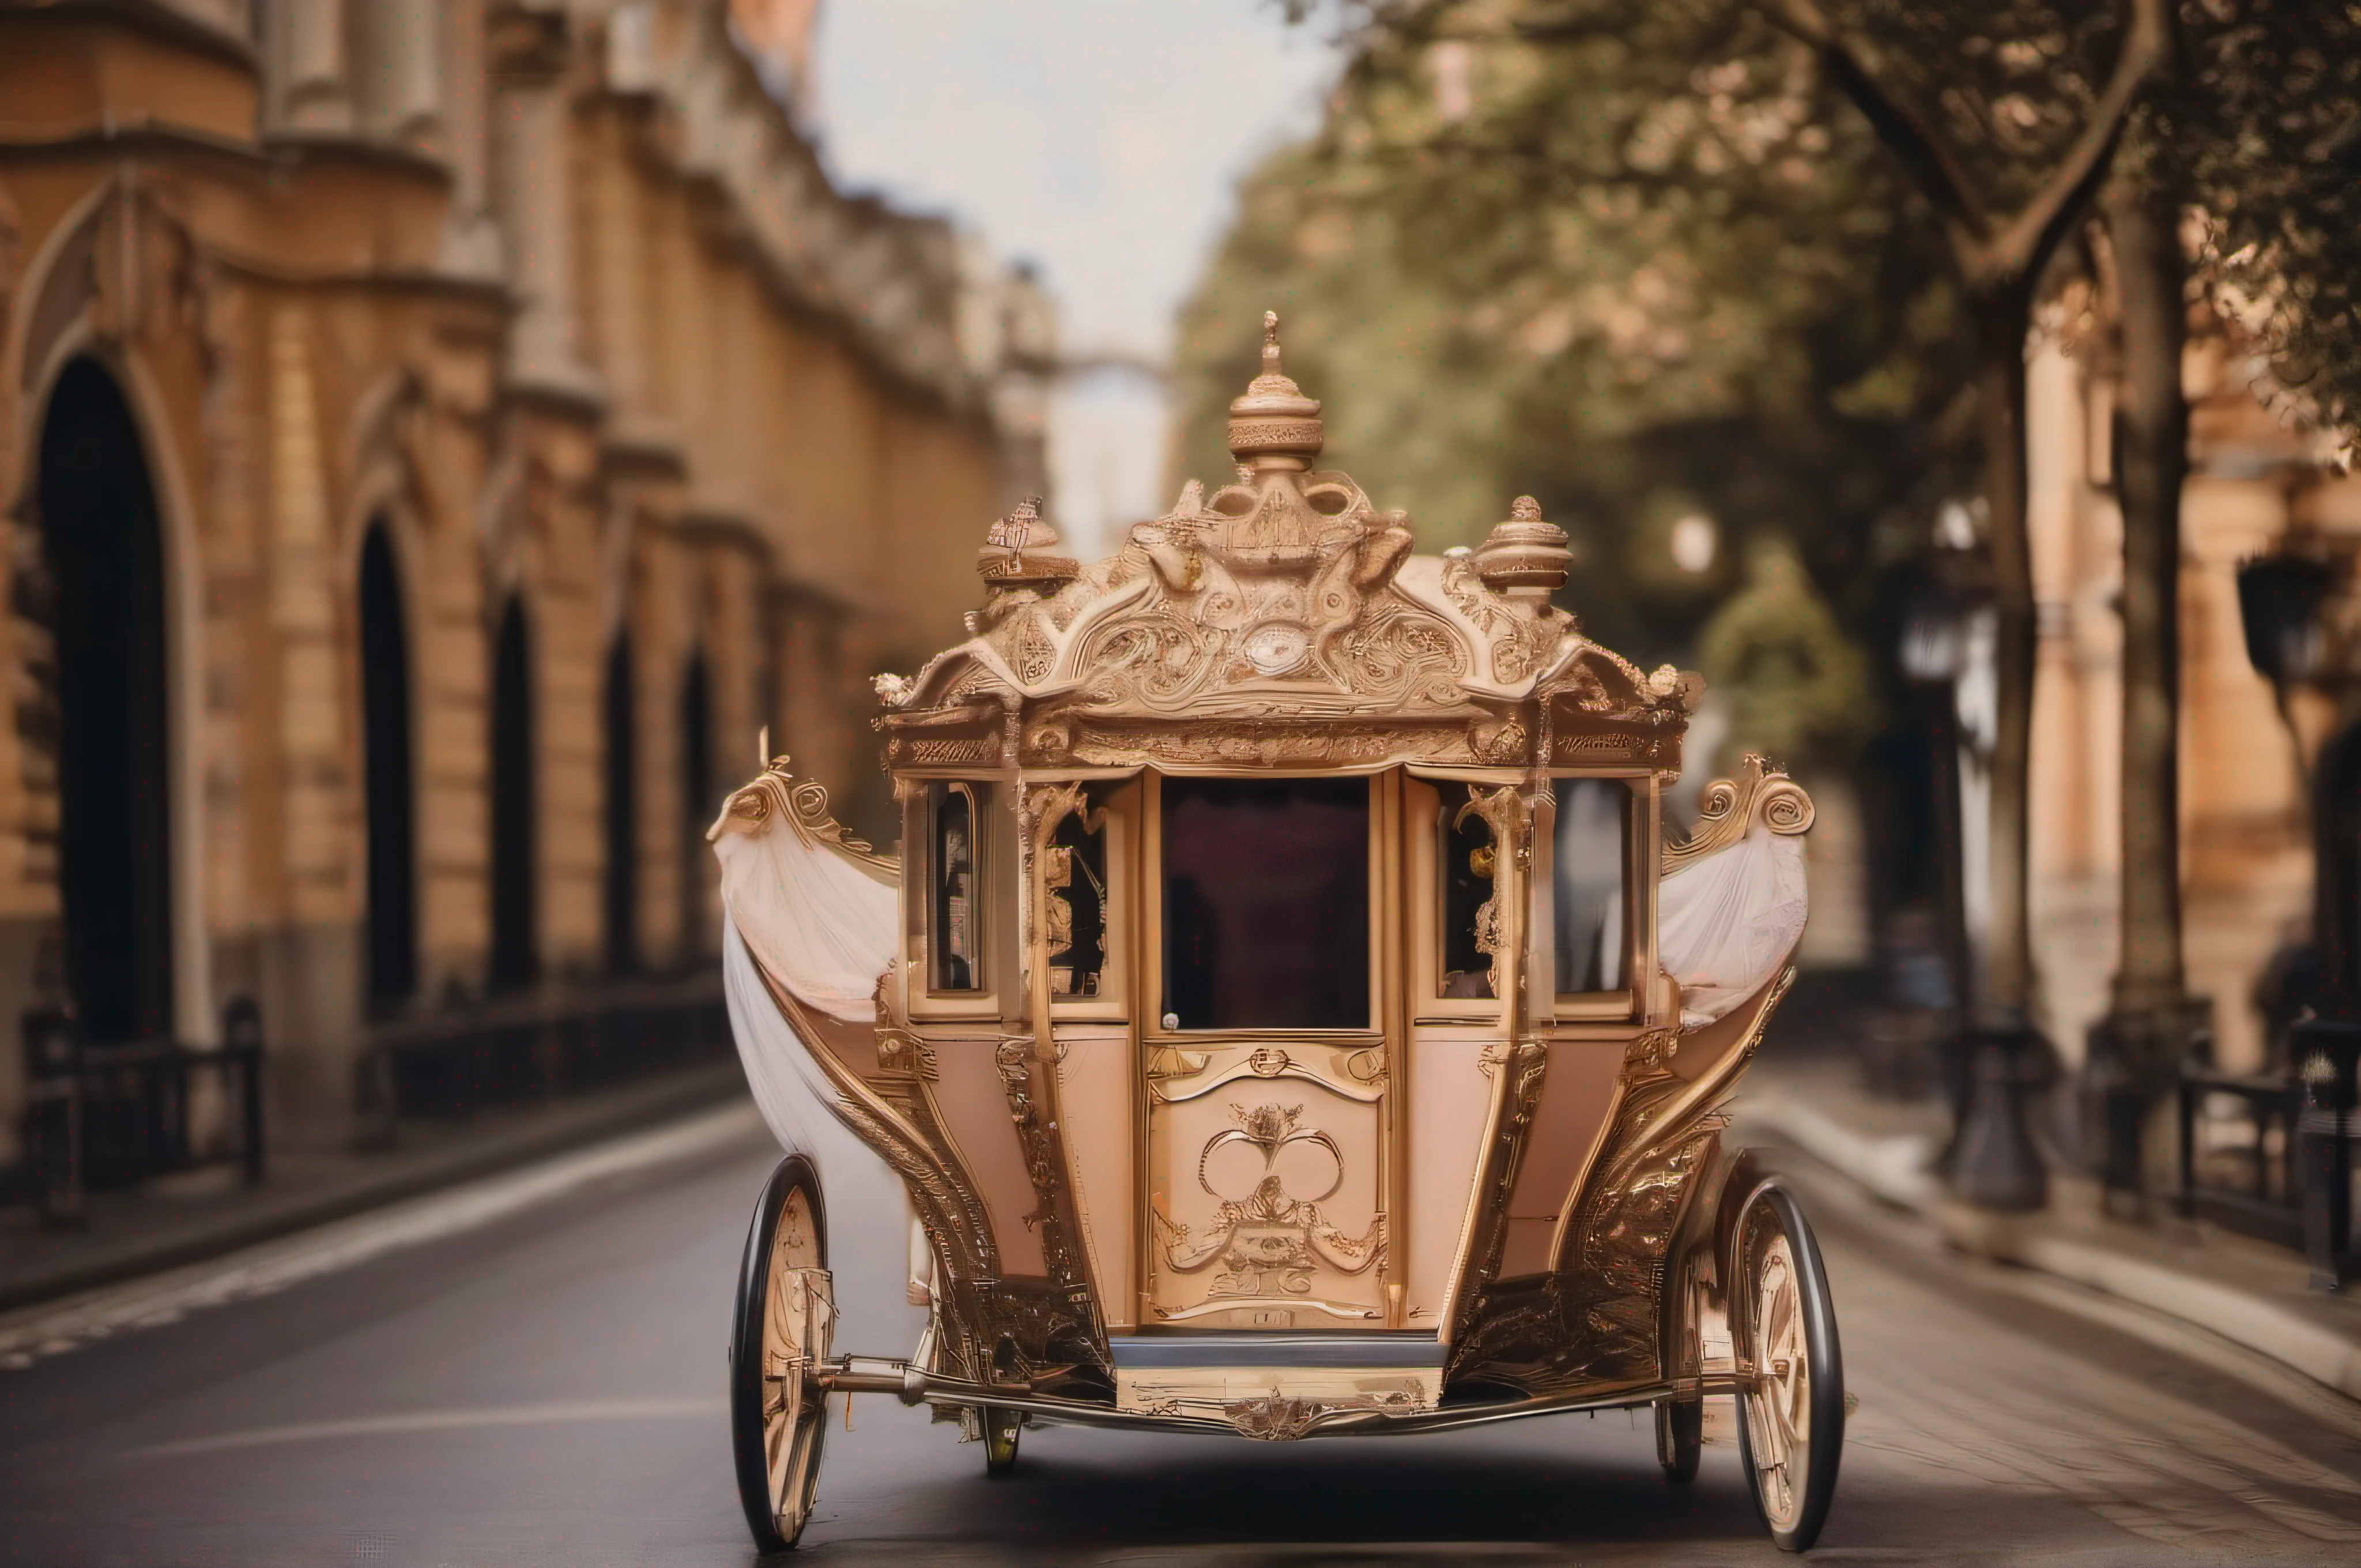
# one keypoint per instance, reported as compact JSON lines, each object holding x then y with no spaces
{"x":80,"y":297}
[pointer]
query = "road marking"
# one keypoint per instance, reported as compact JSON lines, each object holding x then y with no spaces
{"x":561,"y":1412}
{"x":55,"y":1327}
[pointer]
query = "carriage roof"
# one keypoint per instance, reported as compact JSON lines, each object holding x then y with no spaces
{"x":1282,"y":620}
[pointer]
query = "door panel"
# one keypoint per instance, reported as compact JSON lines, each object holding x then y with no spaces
{"x":1267,"y":1176}
{"x":1268,"y":1161}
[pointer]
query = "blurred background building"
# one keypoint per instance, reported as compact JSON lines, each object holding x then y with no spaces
{"x":436,"y":436}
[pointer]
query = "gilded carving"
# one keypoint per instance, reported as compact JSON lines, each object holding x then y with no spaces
{"x":774,"y":797}
{"x":1270,"y":1242}
{"x":1276,"y":1418}
{"x":1730,"y":808}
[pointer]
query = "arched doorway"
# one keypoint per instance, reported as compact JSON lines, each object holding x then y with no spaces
{"x":513,"y":926}
{"x":696,"y":803}
{"x":386,"y":778}
{"x":622,"y":879}
{"x":104,"y":554}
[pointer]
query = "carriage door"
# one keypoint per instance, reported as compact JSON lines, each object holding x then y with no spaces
{"x":1265,"y":1055}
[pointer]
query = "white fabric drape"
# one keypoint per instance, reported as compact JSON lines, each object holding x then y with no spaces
{"x":870,"y":1220}
{"x":1725,"y":923}
{"x":824,"y":928}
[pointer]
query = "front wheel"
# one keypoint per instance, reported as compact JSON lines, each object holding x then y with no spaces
{"x":1791,"y":1375}
{"x":786,"y":1306}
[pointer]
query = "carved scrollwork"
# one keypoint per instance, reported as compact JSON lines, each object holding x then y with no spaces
{"x":1729,"y":808}
{"x":1276,"y":1418}
{"x":1270,"y":1242}
{"x":776,"y":795}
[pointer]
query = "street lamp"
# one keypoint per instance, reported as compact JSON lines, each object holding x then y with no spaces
{"x":1987,"y":1069}
{"x":2281,"y":599}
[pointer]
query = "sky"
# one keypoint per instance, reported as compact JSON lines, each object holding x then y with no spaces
{"x":1101,"y":140}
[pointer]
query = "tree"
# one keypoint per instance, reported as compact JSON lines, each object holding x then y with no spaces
{"x":1999,"y":257}
{"x":2266,"y":138}
{"x":1632,"y":268}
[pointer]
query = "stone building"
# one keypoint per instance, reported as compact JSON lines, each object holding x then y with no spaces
{"x":2256,"y":479}
{"x":436,"y":437}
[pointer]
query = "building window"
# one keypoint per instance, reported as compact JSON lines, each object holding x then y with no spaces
{"x":623,"y":868}
{"x":386,"y":776}
{"x":101,"y":703}
{"x":514,"y":945}
{"x":698,"y":806}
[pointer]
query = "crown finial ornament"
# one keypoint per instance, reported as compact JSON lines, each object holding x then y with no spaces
{"x":1525,"y":558}
{"x":1021,"y":551}
{"x":1274,"y":427}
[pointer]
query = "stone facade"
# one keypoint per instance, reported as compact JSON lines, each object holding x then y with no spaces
{"x":551,"y":305}
{"x":2256,"y":479}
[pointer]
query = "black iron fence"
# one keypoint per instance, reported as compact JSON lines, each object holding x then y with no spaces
{"x":106,"y":1115}
{"x":2271,"y":1155}
{"x":520,"y":1050}
{"x":109,"y":1115}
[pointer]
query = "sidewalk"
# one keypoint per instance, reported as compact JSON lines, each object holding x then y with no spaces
{"x":201,"y":1213}
{"x":2246,"y":1291}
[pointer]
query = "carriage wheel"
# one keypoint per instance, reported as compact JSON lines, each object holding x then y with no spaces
{"x":1791,"y":1398}
{"x":1680,"y":1438}
{"x":1000,"y":1430}
{"x":1680,"y":1424}
{"x":777,"y":1418}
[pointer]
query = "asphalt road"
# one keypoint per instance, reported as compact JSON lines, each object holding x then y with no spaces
{"x":547,"y":1388}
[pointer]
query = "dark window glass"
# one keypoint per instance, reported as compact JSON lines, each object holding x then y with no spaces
{"x":1266,"y":904}
{"x":958,"y":956}
{"x":1594,"y":827}
{"x":1077,"y":875}
{"x":1467,"y":878}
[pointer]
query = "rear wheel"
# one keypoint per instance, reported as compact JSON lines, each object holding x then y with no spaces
{"x":777,"y":1418}
{"x":1680,"y":1424}
{"x":1791,"y":1375}
{"x":1000,"y":1431}
{"x":1680,"y":1438}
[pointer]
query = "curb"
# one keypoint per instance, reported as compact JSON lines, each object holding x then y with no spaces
{"x":561,"y":1128}
{"x":1894,"y":1170}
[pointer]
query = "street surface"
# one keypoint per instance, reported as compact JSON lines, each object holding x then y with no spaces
{"x":546,"y":1388}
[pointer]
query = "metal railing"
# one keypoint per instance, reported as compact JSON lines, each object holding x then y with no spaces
{"x":2271,"y":1155}
{"x":107,"y":1115}
{"x":520,"y":1050}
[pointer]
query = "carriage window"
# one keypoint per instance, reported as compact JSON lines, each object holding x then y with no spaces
{"x":1266,"y":904}
{"x":957,"y":950}
{"x":1078,"y":900}
{"x":1592,"y":850}
{"x":1466,"y":888}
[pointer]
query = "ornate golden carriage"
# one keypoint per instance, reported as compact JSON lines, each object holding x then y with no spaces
{"x":1285,"y":1017}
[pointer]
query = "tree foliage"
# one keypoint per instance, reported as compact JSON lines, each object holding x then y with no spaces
{"x":1625,"y":260}
{"x":2264,"y":135}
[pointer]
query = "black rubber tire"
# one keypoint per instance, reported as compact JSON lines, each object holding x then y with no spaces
{"x":1001,"y":1429}
{"x":1680,"y":1438}
{"x":1825,"y":1400}
{"x":746,"y":1391}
